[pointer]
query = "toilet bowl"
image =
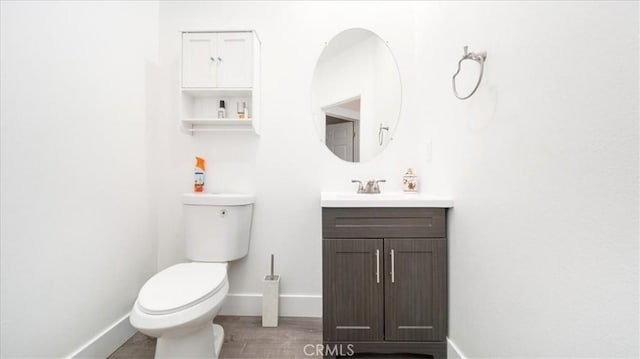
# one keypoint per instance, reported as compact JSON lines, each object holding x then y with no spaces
{"x":178,"y":304}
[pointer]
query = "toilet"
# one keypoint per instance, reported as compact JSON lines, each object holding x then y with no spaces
{"x":178,"y":304}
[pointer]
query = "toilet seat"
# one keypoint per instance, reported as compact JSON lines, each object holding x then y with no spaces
{"x":181,"y":286}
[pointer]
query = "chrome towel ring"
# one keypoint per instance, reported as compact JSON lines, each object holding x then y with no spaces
{"x":480,"y":58}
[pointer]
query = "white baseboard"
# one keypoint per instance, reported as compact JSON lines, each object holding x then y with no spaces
{"x":291,"y":305}
{"x":105,"y":343}
{"x":453,"y":352}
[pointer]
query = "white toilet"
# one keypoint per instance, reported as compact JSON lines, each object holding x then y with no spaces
{"x":178,"y":304}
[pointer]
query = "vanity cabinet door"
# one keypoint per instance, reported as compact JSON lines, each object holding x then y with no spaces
{"x":199,"y":63}
{"x":416,"y":289}
{"x":352,"y":279}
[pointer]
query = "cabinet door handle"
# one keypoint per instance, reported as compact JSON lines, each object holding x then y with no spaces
{"x":219,"y":59}
{"x":377,"y":266}
{"x":393,"y":267}
{"x":212,"y":58}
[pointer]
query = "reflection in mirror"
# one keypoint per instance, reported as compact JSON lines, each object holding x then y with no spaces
{"x":356,"y":95}
{"x":342,"y":123}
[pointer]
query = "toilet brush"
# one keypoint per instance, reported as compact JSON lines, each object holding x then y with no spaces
{"x":271,"y":276}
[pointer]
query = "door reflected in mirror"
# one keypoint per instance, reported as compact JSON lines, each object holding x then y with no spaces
{"x":356,"y":95}
{"x":342,"y":135}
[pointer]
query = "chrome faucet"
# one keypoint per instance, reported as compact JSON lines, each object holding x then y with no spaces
{"x":372,"y":186}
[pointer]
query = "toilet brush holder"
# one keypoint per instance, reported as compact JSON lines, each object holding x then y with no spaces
{"x":270,"y":298}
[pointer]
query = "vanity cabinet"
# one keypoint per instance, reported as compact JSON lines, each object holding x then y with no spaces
{"x":385,"y":280}
{"x":219,"y":66}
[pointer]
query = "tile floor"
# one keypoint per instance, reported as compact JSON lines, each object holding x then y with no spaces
{"x":245,"y":338}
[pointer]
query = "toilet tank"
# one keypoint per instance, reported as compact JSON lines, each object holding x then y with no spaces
{"x":217,"y":227}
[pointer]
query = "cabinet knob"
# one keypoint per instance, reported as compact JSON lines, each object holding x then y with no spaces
{"x":219,"y":59}
{"x":212,"y":59}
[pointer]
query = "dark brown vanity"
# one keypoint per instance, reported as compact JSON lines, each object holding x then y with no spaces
{"x":384,"y":285}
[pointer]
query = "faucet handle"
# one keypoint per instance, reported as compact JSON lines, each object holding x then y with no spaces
{"x":360,"y":186}
{"x":376,"y":186}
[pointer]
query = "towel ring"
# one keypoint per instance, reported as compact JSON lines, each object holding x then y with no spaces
{"x":480,"y":58}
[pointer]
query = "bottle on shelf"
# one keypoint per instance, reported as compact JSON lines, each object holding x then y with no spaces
{"x":245,"y":110}
{"x":222,"y":113}
{"x":240,"y":109}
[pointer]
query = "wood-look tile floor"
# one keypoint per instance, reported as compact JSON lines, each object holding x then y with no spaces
{"x":245,"y":338}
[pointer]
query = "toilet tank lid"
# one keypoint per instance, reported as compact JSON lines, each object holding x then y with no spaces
{"x":218,"y":199}
{"x":180,"y":286}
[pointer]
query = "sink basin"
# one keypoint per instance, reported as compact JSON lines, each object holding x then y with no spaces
{"x":388,"y":199}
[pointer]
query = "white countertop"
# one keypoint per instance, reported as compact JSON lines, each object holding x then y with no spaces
{"x":385,"y":199}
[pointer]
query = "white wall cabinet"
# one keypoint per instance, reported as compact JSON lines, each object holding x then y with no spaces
{"x":213,"y":59}
{"x":215,"y":66}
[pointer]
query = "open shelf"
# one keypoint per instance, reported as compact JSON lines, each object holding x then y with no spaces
{"x":217,"y":124}
{"x":200,"y":107}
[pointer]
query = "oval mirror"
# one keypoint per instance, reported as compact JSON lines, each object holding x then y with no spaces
{"x":356,"y":95}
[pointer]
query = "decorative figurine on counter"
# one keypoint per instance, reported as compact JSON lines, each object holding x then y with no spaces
{"x":410,"y":181}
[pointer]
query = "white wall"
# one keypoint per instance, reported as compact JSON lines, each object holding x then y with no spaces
{"x":543,"y":164}
{"x":287,"y":166}
{"x":77,"y":238}
{"x":542,"y":161}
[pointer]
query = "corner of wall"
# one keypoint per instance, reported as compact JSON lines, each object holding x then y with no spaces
{"x":105,"y":343}
{"x":453,"y":352}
